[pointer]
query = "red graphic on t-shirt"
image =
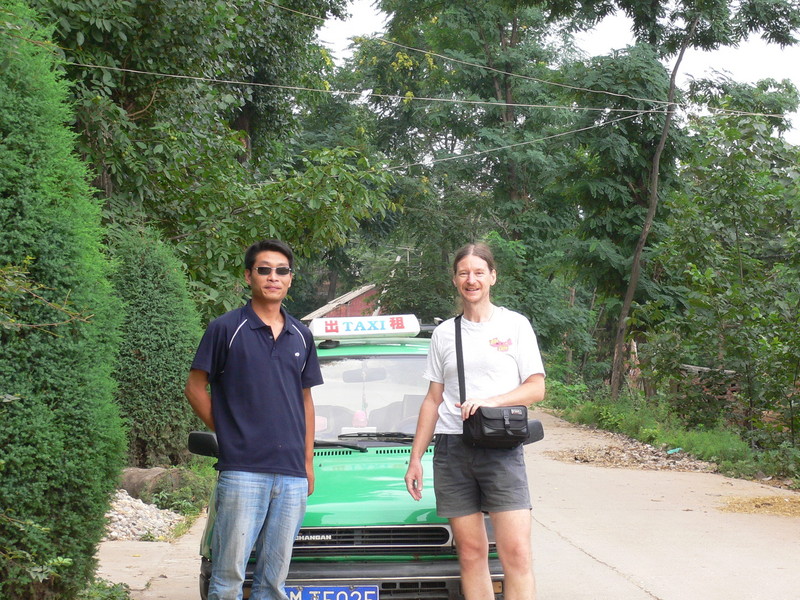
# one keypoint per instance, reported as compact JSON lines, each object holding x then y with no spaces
{"x":499,"y":345}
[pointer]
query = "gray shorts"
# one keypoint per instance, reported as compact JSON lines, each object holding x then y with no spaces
{"x":469,"y":480}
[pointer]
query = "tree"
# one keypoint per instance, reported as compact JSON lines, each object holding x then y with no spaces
{"x":160,"y":333}
{"x":206,"y":163}
{"x":587,"y":237}
{"x":731,"y":251}
{"x":669,"y":28}
{"x":62,"y":436}
{"x":608,"y":180}
{"x":494,"y":158}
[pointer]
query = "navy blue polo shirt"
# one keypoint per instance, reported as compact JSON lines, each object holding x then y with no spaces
{"x":257,"y":387}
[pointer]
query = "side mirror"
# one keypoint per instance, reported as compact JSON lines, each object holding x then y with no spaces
{"x":535,"y":431}
{"x":203,"y":443}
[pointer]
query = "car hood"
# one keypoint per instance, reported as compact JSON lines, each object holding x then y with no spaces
{"x":355,"y":488}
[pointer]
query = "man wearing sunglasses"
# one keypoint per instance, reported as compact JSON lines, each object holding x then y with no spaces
{"x":260,"y":363}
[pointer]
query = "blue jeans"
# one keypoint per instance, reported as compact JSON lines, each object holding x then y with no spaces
{"x":261,"y":511}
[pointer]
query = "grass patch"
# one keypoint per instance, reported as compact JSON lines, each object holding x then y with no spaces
{"x":190,"y":496}
{"x":101,"y":589}
{"x":651,"y":421}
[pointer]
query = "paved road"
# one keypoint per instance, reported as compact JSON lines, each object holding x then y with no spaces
{"x":628,"y":534}
{"x":599,"y":533}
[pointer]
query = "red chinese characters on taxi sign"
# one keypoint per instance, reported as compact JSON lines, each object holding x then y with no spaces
{"x":376,"y":326}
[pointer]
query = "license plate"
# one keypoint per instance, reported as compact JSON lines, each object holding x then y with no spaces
{"x":332,"y":592}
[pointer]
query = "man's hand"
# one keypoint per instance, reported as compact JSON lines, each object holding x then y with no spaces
{"x":196,"y":392}
{"x":414,"y":479}
{"x":310,"y":476}
{"x":471,"y":406}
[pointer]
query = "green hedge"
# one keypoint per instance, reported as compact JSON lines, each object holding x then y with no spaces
{"x":62,"y":439}
{"x":160,"y":335}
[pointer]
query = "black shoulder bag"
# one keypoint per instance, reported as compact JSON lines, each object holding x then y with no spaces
{"x":494,"y":426}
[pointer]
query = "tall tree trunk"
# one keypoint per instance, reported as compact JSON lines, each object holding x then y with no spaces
{"x":333,"y":283}
{"x":618,"y":364}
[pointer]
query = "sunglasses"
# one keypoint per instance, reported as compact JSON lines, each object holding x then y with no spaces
{"x":278,"y":270}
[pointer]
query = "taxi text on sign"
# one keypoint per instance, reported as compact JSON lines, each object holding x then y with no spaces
{"x":376,"y":326}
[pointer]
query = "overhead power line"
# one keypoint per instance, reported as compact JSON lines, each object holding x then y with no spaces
{"x":485,"y":67}
{"x":664,"y":103}
{"x":663,"y":106}
{"x":294,"y":88}
{"x":525,"y":143}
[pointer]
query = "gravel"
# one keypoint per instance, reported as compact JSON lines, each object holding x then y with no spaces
{"x":131,"y":519}
{"x":620,"y":451}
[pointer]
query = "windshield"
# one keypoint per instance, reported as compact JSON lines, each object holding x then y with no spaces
{"x":369,"y":394}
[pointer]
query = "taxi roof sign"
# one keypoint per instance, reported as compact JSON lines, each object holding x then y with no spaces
{"x":342,"y":328}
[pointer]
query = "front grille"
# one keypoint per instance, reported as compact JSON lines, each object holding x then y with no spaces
{"x":389,"y":540}
{"x":410,"y":590}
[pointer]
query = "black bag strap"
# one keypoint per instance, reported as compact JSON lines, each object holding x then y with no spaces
{"x":462,"y":392}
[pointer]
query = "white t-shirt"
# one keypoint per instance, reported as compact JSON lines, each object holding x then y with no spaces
{"x":499,"y":354}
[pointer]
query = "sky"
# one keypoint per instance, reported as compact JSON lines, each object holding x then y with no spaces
{"x":750,"y":62}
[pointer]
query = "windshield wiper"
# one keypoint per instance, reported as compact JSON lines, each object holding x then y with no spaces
{"x":335,"y":444}
{"x":381,"y":436}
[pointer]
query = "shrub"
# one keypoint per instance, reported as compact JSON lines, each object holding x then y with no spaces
{"x":61,"y":433}
{"x":715,"y":445}
{"x":783,"y":461}
{"x":563,"y":396}
{"x":189,"y":498}
{"x":104,"y":590}
{"x":160,"y":334}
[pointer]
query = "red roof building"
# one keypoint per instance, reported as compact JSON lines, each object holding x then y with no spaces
{"x":358,"y":303}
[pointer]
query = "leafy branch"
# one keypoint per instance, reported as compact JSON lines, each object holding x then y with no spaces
{"x":14,"y":283}
{"x":36,"y":571}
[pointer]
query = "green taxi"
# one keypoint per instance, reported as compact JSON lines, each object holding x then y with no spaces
{"x":363,"y":537}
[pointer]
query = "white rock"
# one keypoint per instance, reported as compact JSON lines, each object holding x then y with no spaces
{"x":131,"y":519}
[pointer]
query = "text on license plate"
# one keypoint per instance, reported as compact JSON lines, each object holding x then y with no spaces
{"x":344,"y":592}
